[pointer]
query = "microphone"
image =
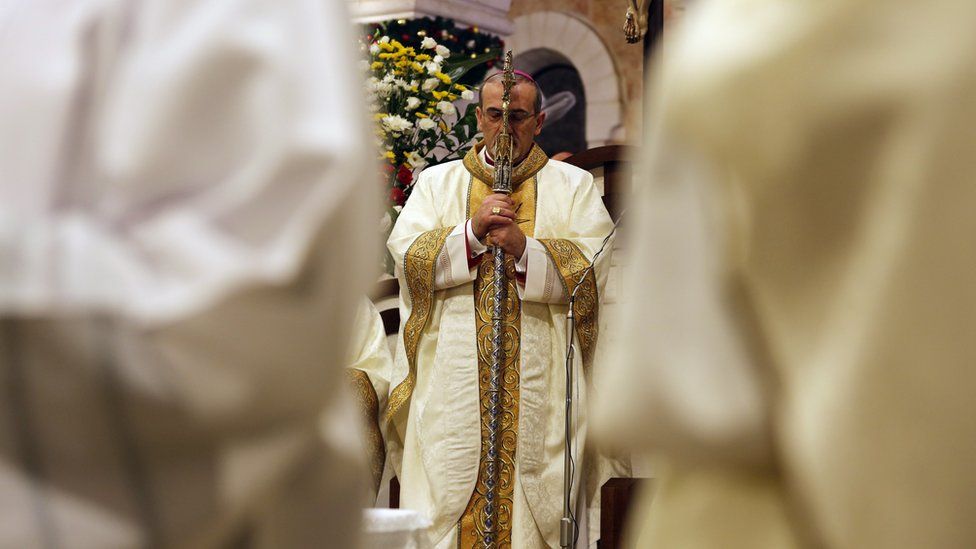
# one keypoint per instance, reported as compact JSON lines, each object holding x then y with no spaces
{"x":568,"y":527}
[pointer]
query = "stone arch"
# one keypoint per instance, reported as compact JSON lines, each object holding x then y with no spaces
{"x":583,"y":47}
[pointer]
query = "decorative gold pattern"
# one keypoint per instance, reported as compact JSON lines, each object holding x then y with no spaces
{"x":570,"y":262}
{"x":369,"y":409}
{"x":534,"y":162}
{"x":471,"y":527}
{"x":472,"y":523}
{"x":418,"y":270}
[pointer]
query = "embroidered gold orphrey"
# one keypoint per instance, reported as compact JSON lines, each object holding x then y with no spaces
{"x":368,"y":403}
{"x":418,"y":269}
{"x":471,"y":526}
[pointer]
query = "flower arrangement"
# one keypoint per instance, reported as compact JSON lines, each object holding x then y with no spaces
{"x":412,"y":91}
{"x":463,"y":42}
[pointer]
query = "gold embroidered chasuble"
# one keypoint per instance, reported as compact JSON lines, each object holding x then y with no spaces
{"x":418,"y":272}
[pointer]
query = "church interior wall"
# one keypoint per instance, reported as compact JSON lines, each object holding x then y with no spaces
{"x":606,"y":19}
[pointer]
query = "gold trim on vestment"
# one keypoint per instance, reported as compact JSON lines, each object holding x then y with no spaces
{"x":418,"y":271}
{"x":471,"y":526}
{"x":369,"y":409}
{"x":570,"y":262}
{"x":535,"y":161}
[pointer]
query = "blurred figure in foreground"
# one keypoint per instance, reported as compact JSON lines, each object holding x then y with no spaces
{"x":801,"y":350}
{"x":183,"y":199}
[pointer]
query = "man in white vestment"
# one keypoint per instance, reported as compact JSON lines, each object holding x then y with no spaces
{"x":802,"y":351}
{"x":174,"y":295}
{"x":550,"y":228}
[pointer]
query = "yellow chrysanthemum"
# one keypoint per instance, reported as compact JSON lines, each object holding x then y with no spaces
{"x":377,"y":65}
{"x":389,"y":155}
{"x":423,"y":57}
{"x":417,"y":67}
{"x":438,"y":95}
{"x":422,"y":115}
{"x":443,"y":77}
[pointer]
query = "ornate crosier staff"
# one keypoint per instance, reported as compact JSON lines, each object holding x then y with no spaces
{"x":502,"y":154}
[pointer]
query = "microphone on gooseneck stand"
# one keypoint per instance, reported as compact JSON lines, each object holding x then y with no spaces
{"x":568,"y":527}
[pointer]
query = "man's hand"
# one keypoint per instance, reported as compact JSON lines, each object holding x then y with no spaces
{"x":495,"y":218}
{"x":495,"y":209}
{"x":510,"y":237}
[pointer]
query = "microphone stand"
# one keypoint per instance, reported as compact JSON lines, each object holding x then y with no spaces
{"x":568,"y":527}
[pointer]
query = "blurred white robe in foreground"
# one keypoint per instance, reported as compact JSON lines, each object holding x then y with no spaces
{"x":183,"y":199}
{"x":802,"y":353}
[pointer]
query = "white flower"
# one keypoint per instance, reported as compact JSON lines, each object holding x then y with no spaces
{"x":396,"y":123}
{"x":412,"y":103}
{"x":415,"y":160}
{"x":381,"y":89}
{"x":438,"y":59}
{"x":426,"y":124}
{"x":397,"y":209}
{"x":428,"y":43}
{"x":442,"y":51}
{"x":384,"y":40}
{"x":430,"y":84}
{"x":470,"y":44}
{"x":467,"y":95}
{"x":374,"y":48}
{"x":433,"y":68}
{"x":445,"y":108}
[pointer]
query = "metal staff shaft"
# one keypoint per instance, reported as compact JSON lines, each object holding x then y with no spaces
{"x":503,"y":184}
{"x":494,"y":395}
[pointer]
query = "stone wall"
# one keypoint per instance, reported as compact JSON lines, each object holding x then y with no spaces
{"x":606,"y":18}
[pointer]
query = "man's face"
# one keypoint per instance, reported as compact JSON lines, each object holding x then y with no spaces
{"x":524,"y":121}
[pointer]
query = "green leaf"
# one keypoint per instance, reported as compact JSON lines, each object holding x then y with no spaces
{"x":457,"y":69}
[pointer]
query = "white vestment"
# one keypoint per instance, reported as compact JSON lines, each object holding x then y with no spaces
{"x":369,"y":365}
{"x":440,"y":426}
{"x":801,"y":350}
{"x":184,"y":195}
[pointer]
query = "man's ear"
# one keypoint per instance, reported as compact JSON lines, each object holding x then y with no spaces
{"x":540,"y":118}
{"x":478,"y":114}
